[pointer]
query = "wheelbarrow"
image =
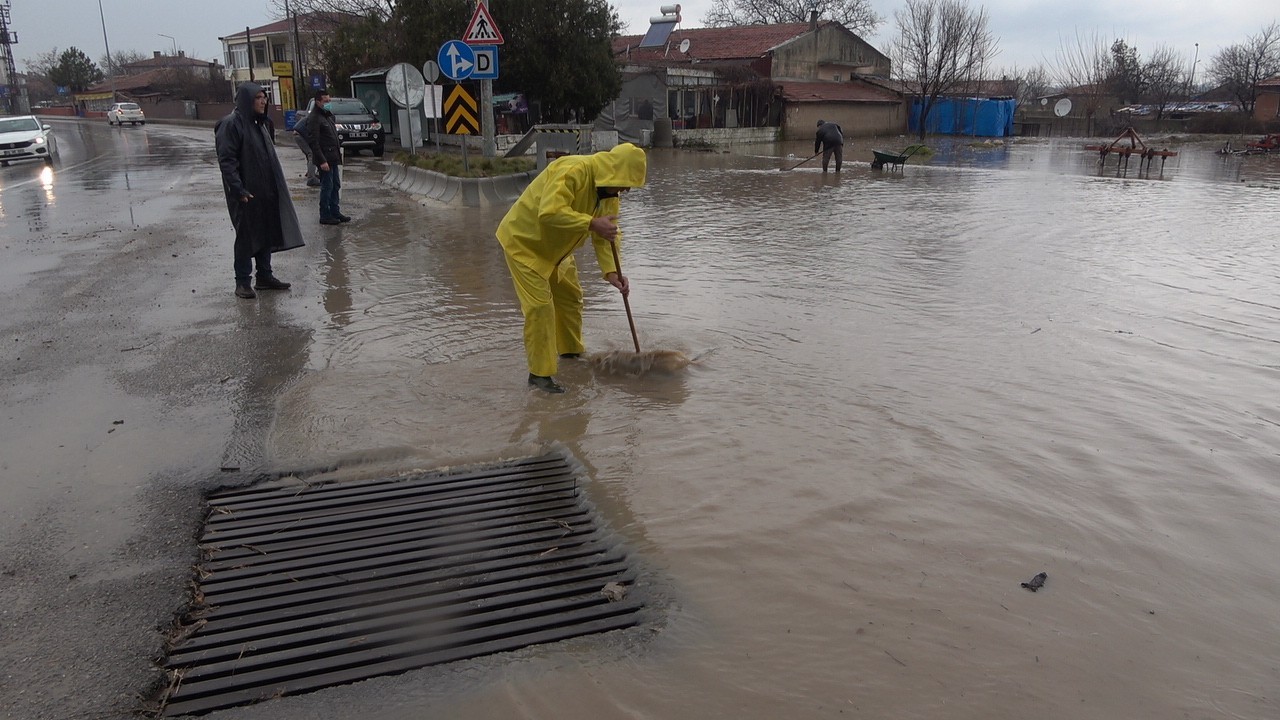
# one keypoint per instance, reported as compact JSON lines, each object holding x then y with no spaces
{"x":895,"y":161}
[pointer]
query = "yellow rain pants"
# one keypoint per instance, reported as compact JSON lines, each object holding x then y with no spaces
{"x":552,"y":310}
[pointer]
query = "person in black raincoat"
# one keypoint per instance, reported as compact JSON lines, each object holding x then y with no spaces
{"x":829,"y":140}
{"x":257,"y":197}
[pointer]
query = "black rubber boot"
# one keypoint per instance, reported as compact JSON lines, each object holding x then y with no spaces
{"x":246,"y":292}
{"x":271,"y":282}
{"x":547,"y":384}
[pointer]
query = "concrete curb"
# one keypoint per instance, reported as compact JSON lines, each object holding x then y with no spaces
{"x":462,"y":192}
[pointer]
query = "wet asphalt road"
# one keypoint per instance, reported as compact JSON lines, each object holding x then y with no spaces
{"x":897,"y":426}
{"x":131,"y":382}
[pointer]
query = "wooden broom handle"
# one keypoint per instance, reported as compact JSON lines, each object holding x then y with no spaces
{"x":617,"y":261}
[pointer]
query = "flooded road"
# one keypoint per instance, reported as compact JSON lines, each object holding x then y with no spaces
{"x":914,"y":391}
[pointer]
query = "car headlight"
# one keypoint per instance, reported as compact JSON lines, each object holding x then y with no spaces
{"x":340,"y":126}
{"x":375,"y":126}
{"x":39,"y":140}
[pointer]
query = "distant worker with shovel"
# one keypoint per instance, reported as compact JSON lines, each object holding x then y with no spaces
{"x":829,"y":140}
{"x":576,"y":196}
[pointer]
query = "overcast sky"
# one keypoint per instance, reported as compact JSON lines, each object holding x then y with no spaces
{"x":1029,"y":31}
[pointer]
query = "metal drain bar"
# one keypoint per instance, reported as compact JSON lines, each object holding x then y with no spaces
{"x":304,"y":589}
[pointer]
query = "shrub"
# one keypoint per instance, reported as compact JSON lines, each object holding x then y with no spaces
{"x":449,"y":164}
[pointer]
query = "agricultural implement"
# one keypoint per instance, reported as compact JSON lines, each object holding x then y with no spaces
{"x":1135,"y":147}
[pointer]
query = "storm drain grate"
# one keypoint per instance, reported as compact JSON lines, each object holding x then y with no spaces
{"x":304,"y":589}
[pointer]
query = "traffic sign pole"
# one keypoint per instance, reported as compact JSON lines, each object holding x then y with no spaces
{"x":486,"y":105}
{"x":431,"y":72}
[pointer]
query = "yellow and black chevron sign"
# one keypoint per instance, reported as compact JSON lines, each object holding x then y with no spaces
{"x":460,"y":114}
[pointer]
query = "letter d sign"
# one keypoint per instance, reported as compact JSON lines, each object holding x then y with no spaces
{"x":486,"y":62}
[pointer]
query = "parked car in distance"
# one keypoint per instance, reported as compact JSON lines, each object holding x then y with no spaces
{"x":358,"y":126}
{"x":26,"y":138}
{"x":121,"y":113}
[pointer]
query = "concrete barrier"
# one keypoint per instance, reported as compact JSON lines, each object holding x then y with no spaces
{"x":429,"y":185}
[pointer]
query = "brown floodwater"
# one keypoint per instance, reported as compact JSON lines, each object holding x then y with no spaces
{"x":915,"y":390}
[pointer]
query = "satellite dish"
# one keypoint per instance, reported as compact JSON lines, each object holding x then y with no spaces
{"x":1043,"y":101}
{"x":684,"y":45}
{"x":1062,"y":108}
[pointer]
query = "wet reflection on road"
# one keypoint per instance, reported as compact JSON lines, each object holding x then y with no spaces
{"x":918,"y":389}
{"x":914,"y":391}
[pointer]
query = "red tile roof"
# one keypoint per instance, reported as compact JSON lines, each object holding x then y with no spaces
{"x":746,"y":42}
{"x":124,"y":83}
{"x":310,"y":21}
{"x":835,"y":92}
{"x":167,"y":61}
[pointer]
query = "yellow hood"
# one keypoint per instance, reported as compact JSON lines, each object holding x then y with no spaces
{"x":623,"y":166}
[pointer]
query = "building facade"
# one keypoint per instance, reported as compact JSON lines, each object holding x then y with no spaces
{"x":282,"y":56}
{"x":764,"y":76}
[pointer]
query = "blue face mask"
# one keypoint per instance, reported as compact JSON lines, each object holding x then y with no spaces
{"x":328,"y":106}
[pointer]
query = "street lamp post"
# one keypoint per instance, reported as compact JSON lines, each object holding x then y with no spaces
{"x":106,"y":44}
{"x":172,"y":40}
{"x":1191,"y":84}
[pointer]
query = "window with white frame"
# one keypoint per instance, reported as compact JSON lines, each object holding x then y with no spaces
{"x":279,"y":53}
{"x":237,"y":57}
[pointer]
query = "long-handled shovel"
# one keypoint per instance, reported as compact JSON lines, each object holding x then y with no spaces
{"x":793,"y":167}
{"x":637,"y":363}
{"x":617,"y":261}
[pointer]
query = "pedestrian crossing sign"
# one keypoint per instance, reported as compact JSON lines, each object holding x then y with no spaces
{"x":482,"y":30}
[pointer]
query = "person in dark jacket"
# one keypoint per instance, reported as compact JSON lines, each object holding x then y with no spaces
{"x":829,"y":141}
{"x":257,"y":196}
{"x":304,"y":144}
{"x":322,"y":132}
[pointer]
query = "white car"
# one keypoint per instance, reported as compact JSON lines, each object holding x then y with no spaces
{"x":26,"y":138}
{"x":121,"y":113}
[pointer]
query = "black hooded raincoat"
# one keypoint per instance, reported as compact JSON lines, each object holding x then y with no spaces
{"x":247,"y":157}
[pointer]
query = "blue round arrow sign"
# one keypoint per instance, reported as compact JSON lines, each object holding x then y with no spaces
{"x":457,"y":60}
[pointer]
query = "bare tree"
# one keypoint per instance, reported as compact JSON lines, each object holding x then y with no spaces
{"x":113,"y":63}
{"x":1033,"y":83}
{"x":186,"y":83}
{"x":1240,"y":67}
{"x":856,"y":15}
{"x":1165,"y":77}
{"x":381,"y":9}
{"x":39,"y":87}
{"x":1082,"y":67}
{"x":42,"y":63}
{"x":941,"y":45}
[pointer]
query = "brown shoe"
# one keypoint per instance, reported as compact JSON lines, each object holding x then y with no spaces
{"x":246,"y":292}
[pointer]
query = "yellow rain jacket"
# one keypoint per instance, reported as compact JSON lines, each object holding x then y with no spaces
{"x":550,"y":219}
{"x":539,"y":234}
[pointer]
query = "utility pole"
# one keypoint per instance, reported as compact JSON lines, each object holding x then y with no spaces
{"x":8,"y":39}
{"x":248,"y":43}
{"x":298,"y":74}
{"x":107,"y":45}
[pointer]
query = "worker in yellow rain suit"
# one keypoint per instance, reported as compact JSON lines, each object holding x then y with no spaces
{"x":574,"y":197}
